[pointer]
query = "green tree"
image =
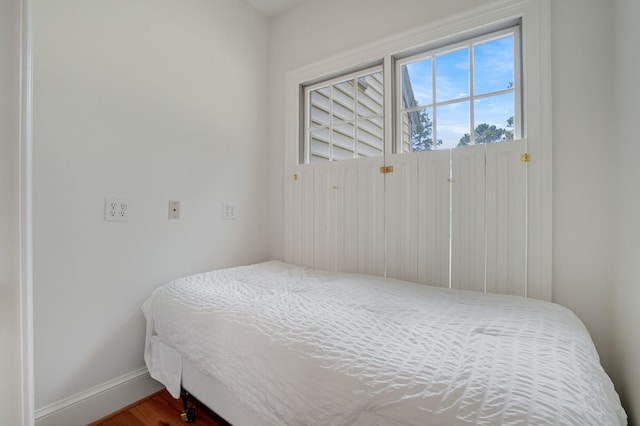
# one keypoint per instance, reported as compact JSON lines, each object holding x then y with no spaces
{"x":421,"y":133}
{"x":487,"y":133}
{"x":509,"y":132}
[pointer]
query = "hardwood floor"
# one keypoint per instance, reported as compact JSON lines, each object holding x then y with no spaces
{"x":159,"y":409}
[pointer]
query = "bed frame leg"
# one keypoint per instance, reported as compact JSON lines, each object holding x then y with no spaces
{"x":188,"y":414}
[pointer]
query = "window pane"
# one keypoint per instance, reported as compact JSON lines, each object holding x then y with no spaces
{"x":343,"y":101}
{"x":319,"y":144}
{"x":405,"y":137}
{"x":370,"y":137}
{"x":452,"y":75}
{"x":370,"y":95}
{"x":417,"y":84}
{"x":494,"y":118}
{"x":319,"y":113}
{"x":493,"y":65}
{"x":339,"y":109}
{"x":452,"y":124}
{"x":417,"y":130}
{"x":343,"y":141}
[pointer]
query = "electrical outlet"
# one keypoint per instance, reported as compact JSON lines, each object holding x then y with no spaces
{"x":229,"y":211}
{"x":174,"y":210}
{"x":116,"y":209}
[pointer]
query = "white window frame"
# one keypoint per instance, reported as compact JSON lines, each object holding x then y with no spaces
{"x":536,"y":104}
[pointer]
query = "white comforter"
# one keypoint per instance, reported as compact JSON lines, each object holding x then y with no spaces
{"x":304,"y":347}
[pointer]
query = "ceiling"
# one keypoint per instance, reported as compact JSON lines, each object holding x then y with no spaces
{"x":272,"y":7}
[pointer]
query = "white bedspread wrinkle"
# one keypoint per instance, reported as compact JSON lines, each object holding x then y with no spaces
{"x":305,"y":347}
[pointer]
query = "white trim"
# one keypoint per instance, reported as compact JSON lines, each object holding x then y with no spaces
{"x":25,"y":215}
{"x":363,"y":72}
{"x":89,"y":393}
{"x":536,"y":44}
{"x":107,"y":397}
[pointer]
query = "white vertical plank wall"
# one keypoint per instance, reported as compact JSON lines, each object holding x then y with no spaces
{"x":434,"y":217}
{"x":401,"y":217}
{"x":293,"y":216}
{"x":335,"y":216}
{"x":468,"y":218}
{"x":324,"y":216}
{"x":506,"y":218}
{"x":347,"y":215}
{"x":371,"y":216}
{"x":299,"y":215}
{"x":539,"y":246}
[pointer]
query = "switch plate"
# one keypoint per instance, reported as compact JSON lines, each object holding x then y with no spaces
{"x":174,"y":210}
{"x":229,"y":211}
{"x":116,"y":209}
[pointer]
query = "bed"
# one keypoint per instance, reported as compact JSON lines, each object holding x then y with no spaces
{"x":278,"y":344}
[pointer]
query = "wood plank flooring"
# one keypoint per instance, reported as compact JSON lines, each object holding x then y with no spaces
{"x":159,"y":409}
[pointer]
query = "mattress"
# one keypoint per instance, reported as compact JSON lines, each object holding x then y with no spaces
{"x":307,"y":347}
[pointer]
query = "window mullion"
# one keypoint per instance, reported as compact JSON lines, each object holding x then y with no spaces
{"x":472,"y":120}
{"x":331,"y":123}
{"x":389,"y":122}
{"x":434,"y":119}
{"x":517,"y":76}
{"x":356,"y":96}
{"x":307,"y":125}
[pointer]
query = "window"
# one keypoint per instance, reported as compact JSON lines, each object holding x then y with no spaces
{"x":460,"y":94}
{"x":345,"y":117}
{"x":449,"y":91}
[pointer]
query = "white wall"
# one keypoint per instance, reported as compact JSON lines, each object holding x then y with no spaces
{"x":583,"y":163}
{"x":152,"y":100}
{"x":10,"y":388}
{"x":626,"y":314}
{"x":582,"y":94}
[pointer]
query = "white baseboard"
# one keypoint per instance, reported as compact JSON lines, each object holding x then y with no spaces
{"x":99,"y":401}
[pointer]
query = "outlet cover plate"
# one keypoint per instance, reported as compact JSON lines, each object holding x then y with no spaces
{"x":174,"y":210}
{"x":116,"y":209}
{"x":229,"y":211}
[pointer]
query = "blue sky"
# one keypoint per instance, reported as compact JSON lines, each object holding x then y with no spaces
{"x":493,"y":71}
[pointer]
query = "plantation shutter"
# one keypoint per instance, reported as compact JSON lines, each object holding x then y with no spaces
{"x":449,"y":218}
